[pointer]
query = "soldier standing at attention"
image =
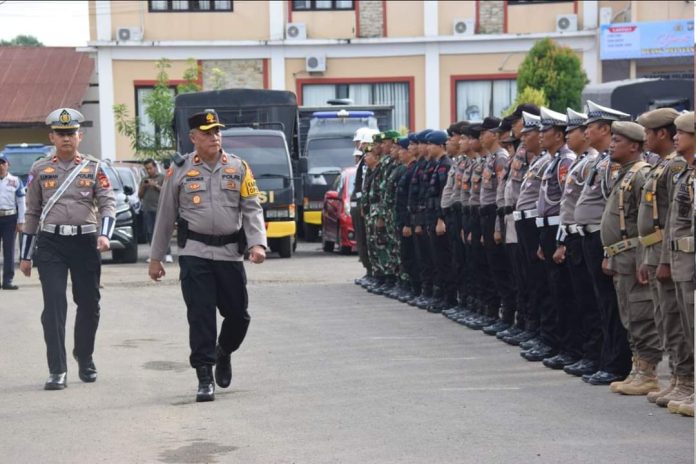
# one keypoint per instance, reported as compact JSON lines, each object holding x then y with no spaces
{"x":652,"y":215}
{"x":407,"y":252}
{"x":619,"y":232}
{"x":12,"y":209}
{"x":65,"y":193}
{"x":677,"y":260}
{"x":214,"y":194}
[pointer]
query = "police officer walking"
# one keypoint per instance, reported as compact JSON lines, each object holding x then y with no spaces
{"x":65,"y":193}
{"x":220,"y":219}
{"x":12,"y":208}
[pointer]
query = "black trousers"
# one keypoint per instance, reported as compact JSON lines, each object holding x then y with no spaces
{"x":466,"y":276}
{"x":539,"y":299}
{"x":457,"y":258}
{"x":425,"y":260}
{"x":208,"y":285}
{"x":55,"y":257}
{"x":615,"y":356}
{"x":498,"y":264}
{"x":563,"y":321}
{"x":8,"y":231}
{"x":409,"y":263}
{"x":518,"y":265}
{"x":588,"y":330}
{"x":360,"y":237}
{"x":444,"y":280}
{"x":484,"y":282}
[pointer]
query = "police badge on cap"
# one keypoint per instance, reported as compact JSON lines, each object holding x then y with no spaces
{"x":64,"y":119}
{"x":205,"y":120}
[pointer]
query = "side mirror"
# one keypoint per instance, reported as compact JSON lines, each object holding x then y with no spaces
{"x":128,"y":190}
{"x":331,"y":195}
{"x":303,"y":164}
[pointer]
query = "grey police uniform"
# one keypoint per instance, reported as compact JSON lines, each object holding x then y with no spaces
{"x":66,"y":242}
{"x":619,"y":232}
{"x":652,"y":216}
{"x":12,"y":210}
{"x":220,"y":219}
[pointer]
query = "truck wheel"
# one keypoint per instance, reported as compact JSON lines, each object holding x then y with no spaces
{"x":311,"y":232}
{"x":127,"y":255}
{"x":328,"y":246}
{"x":284,"y":247}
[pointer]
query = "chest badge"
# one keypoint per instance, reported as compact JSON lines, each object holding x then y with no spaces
{"x":49,"y":170}
{"x":649,"y":196}
{"x":193,"y":173}
{"x":196,"y":200}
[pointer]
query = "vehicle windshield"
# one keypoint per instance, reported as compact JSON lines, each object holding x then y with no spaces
{"x":266,"y":155}
{"x":20,"y":163}
{"x":127,"y":177}
{"x":113,"y":178}
{"x":330,"y":153}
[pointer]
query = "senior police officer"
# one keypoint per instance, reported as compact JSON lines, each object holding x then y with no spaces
{"x":65,"y":193}
{"x":220,"y":219}
{"x":12,"y":208}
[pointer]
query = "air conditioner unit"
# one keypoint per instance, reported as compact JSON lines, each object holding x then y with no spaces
{"x":567,"y":23}
{"x":464,"y":26}
{"x":296,"y":31}
{"x":315,"y":63}
{"x":129,"y":33}
{"x":605,"y":15}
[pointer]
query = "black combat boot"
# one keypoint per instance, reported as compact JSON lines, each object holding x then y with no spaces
{"x":206,"y":387}
{"x":223,"y":368}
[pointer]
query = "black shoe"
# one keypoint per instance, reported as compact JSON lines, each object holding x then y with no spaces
{"x":223,"y":368}
{"x":602,"y":378}
{"x":437,"y":306}
{"x":530,"y":343}
{"x":87,"y":370}
{"x":10,"y":286}
{"x":559,"y":361}
{"x":206,"y":387}
{"x":509,"y":332}
{"x":56,"y":381}
{"x":481,"y":322}
{"x":424,"y":302}
{"x":582,"y":367}
{"x":539,"y":353}
{"x":496,"y":327}
{"x":521,"y":338}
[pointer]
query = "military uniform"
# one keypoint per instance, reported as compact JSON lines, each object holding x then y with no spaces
{"x":65,"y":198}
{"x":407,"y":252}
{"x":358,"y":220}
{"x":12,"y":209}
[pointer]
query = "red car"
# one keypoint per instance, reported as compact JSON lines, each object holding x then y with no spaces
{"x":336,"y":223}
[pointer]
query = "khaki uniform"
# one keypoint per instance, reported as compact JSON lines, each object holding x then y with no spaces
{"x":623,"y":250}
{"x":652,"y":215}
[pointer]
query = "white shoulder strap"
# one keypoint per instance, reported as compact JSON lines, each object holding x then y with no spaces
{"x":61,"y":190}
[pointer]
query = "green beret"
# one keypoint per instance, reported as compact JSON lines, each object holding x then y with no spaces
{"x":392,"y":135}
{"x":660,"y":117}
{"x":628,"y":129}
{"x":685,"y":122}
{"x":378,"y":137}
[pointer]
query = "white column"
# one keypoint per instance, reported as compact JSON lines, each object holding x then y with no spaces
{"x":590,"y":14}
{"x":276,"y":19}
{"x":430,"y":20}
{"x":432,"y":86}
{"x":107,"y":123}
{"x":591,"y":64}
{"x":277,"y":68}
{"x":102,"y":8}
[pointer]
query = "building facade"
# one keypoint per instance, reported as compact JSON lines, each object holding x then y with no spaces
{"x":434,"y":61}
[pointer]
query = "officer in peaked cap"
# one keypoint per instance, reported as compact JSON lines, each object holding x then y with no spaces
{"x":597,"y":112}
{"x":215,"y":198}
{"x":68,"y":240}
{"x":652,"y":215}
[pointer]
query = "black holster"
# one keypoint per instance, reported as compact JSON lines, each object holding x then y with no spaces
{"x":242,"y":242}
{"x":181,"y":232}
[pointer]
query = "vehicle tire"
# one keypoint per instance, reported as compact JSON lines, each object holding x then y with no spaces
{"x":294,"y":244}
{"x":311,"y":232}
{"x":346,"y":250}
{"x":127,"y":255}
{"x":328,"y":246}
{"x":284,"y":247}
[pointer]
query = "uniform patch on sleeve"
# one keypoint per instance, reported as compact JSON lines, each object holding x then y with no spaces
{"x":248,"y":188}
{"x":170,"y":171}
{"x":103,"y":180}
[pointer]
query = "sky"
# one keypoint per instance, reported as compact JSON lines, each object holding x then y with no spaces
{"x":54,"y":23}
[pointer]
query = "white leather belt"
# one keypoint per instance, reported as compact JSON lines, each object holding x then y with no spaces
{"x":588,"y":229}
{"x":7,"y":212}
{"x":548,"y":221}
{"x":68,"y":231}
{"x":353,"y":204}
{"x":572,"y":229}
{"x":526,"y":214}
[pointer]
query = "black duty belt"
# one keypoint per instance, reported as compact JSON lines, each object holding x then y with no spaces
{"x":213,"y":240}
{"x":488,"y":210}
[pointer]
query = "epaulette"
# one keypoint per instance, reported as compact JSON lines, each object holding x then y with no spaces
{"x":178,"y":159}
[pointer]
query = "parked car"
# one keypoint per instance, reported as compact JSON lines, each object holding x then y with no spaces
{"x":124,"y":243}
{"x":337,"y":225}
{"x":23,"y":155}
{"x":131,"y":178}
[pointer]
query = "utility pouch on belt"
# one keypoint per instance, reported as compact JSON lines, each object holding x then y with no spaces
{"x":181,"y":232}
{"x":242,"y":243}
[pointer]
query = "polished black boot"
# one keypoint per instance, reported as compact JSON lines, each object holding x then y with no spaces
{"x":56,"y":381}
{"x":223,"y":368}
{"x":87,"y":369}
{"x":206,"y":387}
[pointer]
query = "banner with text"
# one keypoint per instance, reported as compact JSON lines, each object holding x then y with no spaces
{"x":628,"y":41}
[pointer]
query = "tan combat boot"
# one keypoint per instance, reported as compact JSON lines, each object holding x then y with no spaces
{"x":643,"y":383}
{"x":686,"y":408}
{"x":631,"y":375}
{"x":684,"y":388}
{"x":653,"y":396}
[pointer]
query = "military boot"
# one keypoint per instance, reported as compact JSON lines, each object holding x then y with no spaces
{"x":634,"y":370}
{"x":686,"y":408}
{"x":206,"y":386}
{"x":682,"y":390}
{"x":653,"y":396}
{"x":644,"y":382}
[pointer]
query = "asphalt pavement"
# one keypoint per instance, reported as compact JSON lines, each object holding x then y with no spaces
{"x":328,"y":374}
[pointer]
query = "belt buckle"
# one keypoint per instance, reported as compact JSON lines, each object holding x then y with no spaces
{"x":67,"y":230}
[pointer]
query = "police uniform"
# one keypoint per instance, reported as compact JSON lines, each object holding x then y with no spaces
{"x":407,"y":251}
{"x":652,"y":214}
{"x":64,"y":200}
{"x":220,"y":218}
{"x":12,"y":209}
{"x":619,"y":233}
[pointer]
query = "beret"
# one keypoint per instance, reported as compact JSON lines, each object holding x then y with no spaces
{"x":630,"y":130}
{"x":660,"y":117}
{"x":685,"y":122}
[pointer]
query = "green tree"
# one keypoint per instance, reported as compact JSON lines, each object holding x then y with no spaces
{"x":159,"y":108}
{"x":22,"y":41}
{"x":557,"y":71}
{"x":528,"y":95}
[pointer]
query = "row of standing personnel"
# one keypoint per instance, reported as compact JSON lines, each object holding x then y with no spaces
{"x":570,"y":235}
